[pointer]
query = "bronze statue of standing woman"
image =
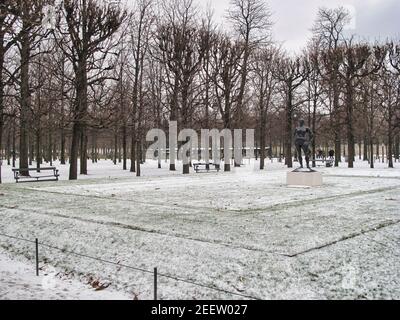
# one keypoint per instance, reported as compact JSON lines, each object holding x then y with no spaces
{"x":303,"y":137}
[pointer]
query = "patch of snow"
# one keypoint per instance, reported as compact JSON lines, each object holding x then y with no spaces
{"x":19,"y":282}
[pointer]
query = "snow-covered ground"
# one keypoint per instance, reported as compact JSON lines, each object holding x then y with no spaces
{"x":19,"y":282}
{"x":245,"y":231}
{"x":104,"y":169}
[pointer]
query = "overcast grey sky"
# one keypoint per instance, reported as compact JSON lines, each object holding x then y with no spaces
{"x":373,"y":19}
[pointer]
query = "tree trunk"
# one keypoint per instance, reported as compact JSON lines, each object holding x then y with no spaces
{"x":124,"y":147}
{"x":1,"y":135}
{"x":93,"y":149}
{"x":79,"y":117}
{"x":31,"y":144}
{"x":383,"y":153}
{"x":185,"y":121}
{"x":14,"y":144}
{"x":62,"y":125}
{"x":62,"y":147}
{"x":133,"y":152}
{"x":25,"y":101}
{"x":390,"y":137}
{"x":336,"y":114}
{"x":377,"y":150}
{"x":50,"y":148}
{"x":138,"y":157}
{"x":365,"y":151}
{"x":349,"y":121}
{"x":262,"y":139}
{"x":115,"y":146}
{"x":8,"y":147}
{"x":38,"y":148}
{"x":174,"y":117}
{"x":338,"y":147}
{"x":83,"y":153}
{"x":2,"y":103}
{"x":314,"y":129}
{"x":243,"y":80}
{"x":289,"y":129}
{"x":397,"y":147}
{"x":73,"y":156}
{"x":371,"y":148}
{"x":390,"y":153}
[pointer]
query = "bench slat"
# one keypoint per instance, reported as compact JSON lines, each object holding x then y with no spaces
{"x":34,"y":169}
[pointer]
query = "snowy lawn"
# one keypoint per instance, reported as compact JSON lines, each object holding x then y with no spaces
{"x":19,"y":282}
{"x":244,"y":232}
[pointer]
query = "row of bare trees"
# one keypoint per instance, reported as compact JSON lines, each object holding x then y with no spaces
{"x":84,"y":79}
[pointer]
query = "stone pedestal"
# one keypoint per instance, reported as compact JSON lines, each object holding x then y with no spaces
{"x":301,"y":178}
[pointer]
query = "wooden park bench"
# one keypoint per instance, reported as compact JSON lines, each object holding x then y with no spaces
{"x":198,"y":167}
{"x":327,"y":162}
{"x":324,"y":162}
{"x":53,"y":176}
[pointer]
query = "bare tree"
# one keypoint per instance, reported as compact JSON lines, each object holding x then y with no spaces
{"x":209,"y":37}
{"x":183,"y":45}
{"x":264,"y":85}
{"x":292,"y":73}
{"x":123,"y":105}
{"x":140,"y":33}
{"x":370,"y":113}
{"x":328,"y":31}
{"x":26,"y":35}
{"x":89,"y":28}
{"x":390,"y":103}
{"x":355,"y":66}
{"x":225,"y":74}
{"x":8,"y":18}
{"x":315,"y":89}
{"x":156,"y":92}
{"x":251,"y":21}
{"x":394,"y":58}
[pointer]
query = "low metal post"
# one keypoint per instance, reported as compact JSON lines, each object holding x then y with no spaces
{"x":37,"y":256}
{"x":155,"y":283}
